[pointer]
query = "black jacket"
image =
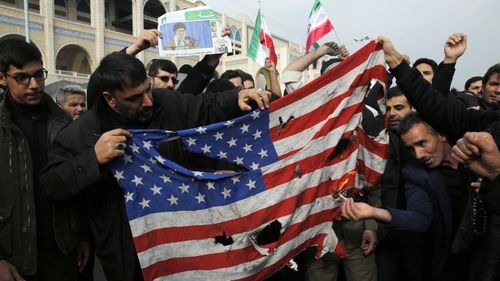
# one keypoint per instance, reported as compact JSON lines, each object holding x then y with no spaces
{"x":449,"y":118}
{"x":18,"y":219}
{"x":73,"y":169}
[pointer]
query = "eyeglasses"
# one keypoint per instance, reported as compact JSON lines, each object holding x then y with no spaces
{"x":168,"y":78}
{"x":25,"y":78}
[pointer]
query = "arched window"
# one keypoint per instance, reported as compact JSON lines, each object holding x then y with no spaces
{"x":83,"y":11}
{"x":153,"y":9}
{"x":73,"y":58}
{"x":60,"y":9}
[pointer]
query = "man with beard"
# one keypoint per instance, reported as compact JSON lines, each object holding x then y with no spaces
{"x":77,"y":165}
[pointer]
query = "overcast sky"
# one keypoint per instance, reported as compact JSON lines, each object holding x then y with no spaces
{"x":418,"y":28}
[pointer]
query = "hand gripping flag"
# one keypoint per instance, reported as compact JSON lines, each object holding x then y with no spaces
{"x":197,"y":225}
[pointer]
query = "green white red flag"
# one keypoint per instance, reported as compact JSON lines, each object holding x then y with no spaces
{"x":261,"y":46}
{"x":319,"y":25}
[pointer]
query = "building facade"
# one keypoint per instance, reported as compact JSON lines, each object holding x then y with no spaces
{"x":74,"y":35}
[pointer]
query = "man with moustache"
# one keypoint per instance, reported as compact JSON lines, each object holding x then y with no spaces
{"x":77,"y":165}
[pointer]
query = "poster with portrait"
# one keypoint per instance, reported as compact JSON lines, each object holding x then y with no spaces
{"x":192,"y":32}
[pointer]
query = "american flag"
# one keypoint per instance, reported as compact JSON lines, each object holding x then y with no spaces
{"x":198,"y":225}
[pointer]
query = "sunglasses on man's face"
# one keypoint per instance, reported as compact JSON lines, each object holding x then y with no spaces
{"x":168,"y":78}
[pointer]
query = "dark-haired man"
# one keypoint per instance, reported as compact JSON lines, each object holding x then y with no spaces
{"x":181,"y":40}
{"x":474,"y":85}
{"x":38,"y":238}
{"x":164,"y":73}
{"x":77,"y":164}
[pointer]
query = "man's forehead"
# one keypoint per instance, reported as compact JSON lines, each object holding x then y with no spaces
{"x":31,"y":66}
{"x":398,"y":100}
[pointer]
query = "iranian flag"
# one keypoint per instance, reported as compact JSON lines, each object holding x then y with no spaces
{"x":319,"y":25}
{"x":261,"y":46}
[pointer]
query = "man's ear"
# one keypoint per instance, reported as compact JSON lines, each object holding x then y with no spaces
{"x":3,"y":81}
{"x":109,"y":99}
{"x":443,"y":138}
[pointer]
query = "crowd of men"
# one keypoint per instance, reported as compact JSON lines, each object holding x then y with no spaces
{"x":434,"y":216}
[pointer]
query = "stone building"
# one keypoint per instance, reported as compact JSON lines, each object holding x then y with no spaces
{"x":75,"y":34}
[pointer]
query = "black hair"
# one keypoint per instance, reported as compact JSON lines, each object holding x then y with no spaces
{"x":394,"y":92}
{"x":220,"y":85}
{"x":179,"y":25}
{"x":472,"y":80}
{"x":327,"y":65}
{"x":430,"y":62}
{"x":119,"y":70}
{"x":161,"y":64}
{"x":18,"y":53}
{"x":410,"y":121}
{"x":230,"y":74}
{"x":492,"y":70}
{"x":245,"y":76}
{"x":185,"y":68}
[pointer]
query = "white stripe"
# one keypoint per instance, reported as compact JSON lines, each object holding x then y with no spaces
{"x":317,"y":19}
{"x":299,"y":140}
{"x":240,"y":240}
{"x":326,"y":93}
{"x":241,"y":208}
{"x":250,"y":268}
{"x":372,"y":160}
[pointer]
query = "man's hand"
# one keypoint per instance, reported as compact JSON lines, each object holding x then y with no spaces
{"x":369,"y":241}
{"x":356,"y":210}
{"x":111,"y":145}
{"x":83,"y":253}
{"x":344,"y":53}
{"x":359,"y":211}
{"x":261,"y":97}
{"x":392,"y":57}
{"x":407,"y":59}
{"x":479,"y":152}
{"x":329,"y":48}
{"x":147,"y":38}
{"x":454,"y":47}
{"x":270,"y":66}
{"x":8,"y":272}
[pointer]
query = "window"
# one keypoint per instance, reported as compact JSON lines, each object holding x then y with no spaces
{"x":83,"y":11}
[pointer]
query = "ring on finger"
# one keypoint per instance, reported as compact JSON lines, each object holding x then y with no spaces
{"x":119,"y":146}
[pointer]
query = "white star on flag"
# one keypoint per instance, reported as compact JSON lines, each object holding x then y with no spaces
{"x":184,"y":188}
{"x":235,"y":179}
{"x":146,"y":168}
{"x":206,"y":148}
{"x":251,"y":184}
{"x":255,"y":114}
{"x":248,"y":147}
{"x":127,"y":158}
{"x":262,"y":153}
{"x":244,"y":128}
{"x":229,"y":123}
{"x":210,"y":185}
{"x":191,"y":141}
{"x":119,"y":175}
{"x":134,"y":148}
{"x":198,"y":174}
{"x":147,"y":144}
{"x":232,"y":142}
{"x":239,"y":160}
{"x":129,"y":196}
{"x":254,"y":166}
{"x":257,"y":134}
{"x":222,"y":154}
{"x":200,"y":198}
{"x":137,"y":180}
{"x":173,"y":200}
{"x":156,"y":189}
{"x":226,"y":193}
{"x":201,"y":130}
{"x":144,"y":203}
{"x":165,"y":179}
{"x":218,"y":136}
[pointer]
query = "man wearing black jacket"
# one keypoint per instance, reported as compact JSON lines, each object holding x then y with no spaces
{"x":454,"y":121}
{"x":77,"y":163}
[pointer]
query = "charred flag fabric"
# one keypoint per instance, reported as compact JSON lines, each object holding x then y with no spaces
{"x":199,"y":225}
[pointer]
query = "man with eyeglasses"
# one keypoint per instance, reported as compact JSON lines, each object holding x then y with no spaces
{"x":164,"y":74}
{"x":38,"y":237}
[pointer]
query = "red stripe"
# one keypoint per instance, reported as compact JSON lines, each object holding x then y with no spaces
{"x":371,"y":176}
{"x":333,"y":74}
{"x":235,"y":226}
{"x":317,"y":33}
{"x":379,"y":149}
{"x":230,"y":258}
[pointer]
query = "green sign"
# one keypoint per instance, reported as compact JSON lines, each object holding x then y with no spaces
{"x":207,"y":14}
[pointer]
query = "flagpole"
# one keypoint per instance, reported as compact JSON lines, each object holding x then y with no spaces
{"x":26,"y":21}
{"x":265,"y":39}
